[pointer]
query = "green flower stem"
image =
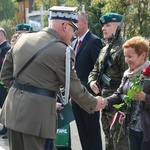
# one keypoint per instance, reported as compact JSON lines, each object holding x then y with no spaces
{"x":122,"y":123}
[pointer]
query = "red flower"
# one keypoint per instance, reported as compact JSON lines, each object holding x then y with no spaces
{"x":146,"y":71}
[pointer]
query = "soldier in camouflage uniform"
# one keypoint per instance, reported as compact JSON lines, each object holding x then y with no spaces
{"x":110,"y":22}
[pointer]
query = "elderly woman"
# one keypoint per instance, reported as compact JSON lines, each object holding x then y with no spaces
{"x":135,"y":52}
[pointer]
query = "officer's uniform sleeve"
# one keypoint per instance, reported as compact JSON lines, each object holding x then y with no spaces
{"x":77,"y":91}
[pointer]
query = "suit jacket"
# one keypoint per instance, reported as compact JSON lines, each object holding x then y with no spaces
{"x":31,"y":113}
{"x":86,"y":56}
{"x":4,"y":47}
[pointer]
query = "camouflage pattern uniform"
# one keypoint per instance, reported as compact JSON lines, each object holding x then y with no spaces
{"x":115,"y":72}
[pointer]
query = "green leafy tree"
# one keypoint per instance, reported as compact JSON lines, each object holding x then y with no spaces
{"x":34,"y":6}
{"x":47,"y":3}
{"x":138,"y":18}
{"x":137,"y":15}
{"x":7,"y":9}
{"x":72,"y":3}
{"x":46,"y":20}
{"x":93,"y":9}
{"x":9,"y":28}
{"x":94,"y":13}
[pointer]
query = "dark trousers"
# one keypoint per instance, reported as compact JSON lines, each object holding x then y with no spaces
{"x":136,"y":141}
{"x":3,"y":94}
{"x":21,"y":141}
{"x":88,"y":128}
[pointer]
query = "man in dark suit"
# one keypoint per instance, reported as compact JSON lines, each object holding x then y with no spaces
{"x":4,"y":47}
{"x":87,"y":51}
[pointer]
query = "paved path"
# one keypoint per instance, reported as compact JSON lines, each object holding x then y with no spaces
{"x":74,"y":137}
{"x":3,"y":142}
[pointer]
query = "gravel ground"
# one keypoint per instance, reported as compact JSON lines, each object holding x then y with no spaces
{"x":74,"y":139}
{"x":75,"y":143}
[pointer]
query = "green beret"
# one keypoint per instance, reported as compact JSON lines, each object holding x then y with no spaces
{"x":24,"y":27}
{"x":110,"y":17}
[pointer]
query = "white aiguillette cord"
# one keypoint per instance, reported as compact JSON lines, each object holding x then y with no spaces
{"x":67,"y":78}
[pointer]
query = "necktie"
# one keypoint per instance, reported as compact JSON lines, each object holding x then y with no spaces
{"x":78,"y":45}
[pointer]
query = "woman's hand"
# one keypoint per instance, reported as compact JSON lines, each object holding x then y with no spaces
{"x":140,"y":96}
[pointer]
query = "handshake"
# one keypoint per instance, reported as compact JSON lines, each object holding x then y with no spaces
{"x":101,"y":103}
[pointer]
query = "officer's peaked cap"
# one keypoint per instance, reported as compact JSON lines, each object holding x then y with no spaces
{"x":110,"y":17}
{"x":24,"y":27}
{"x":64,"y":13}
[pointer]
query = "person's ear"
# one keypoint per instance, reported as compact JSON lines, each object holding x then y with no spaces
{"x":64,"y":26}
{"x":144,"y":55}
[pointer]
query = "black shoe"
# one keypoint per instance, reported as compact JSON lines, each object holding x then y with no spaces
{"x":5,"y":136}
{"x":3,"y":130}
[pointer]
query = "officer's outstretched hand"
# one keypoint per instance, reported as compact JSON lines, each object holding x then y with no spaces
{"x":101,"y":103}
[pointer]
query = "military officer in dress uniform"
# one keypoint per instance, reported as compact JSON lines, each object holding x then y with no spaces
{"x":113,"y":73}
{"x":29,"y":111}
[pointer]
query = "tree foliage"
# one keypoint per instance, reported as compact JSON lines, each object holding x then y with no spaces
{"x":137,"y":13}
{"x":7,"y":25}
{"x":94,"y":12}
{"x":47,"y":3}
{"x":138,"y":18}
{"x":7,"y":9}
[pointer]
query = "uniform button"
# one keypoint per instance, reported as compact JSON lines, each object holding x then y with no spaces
{"x":91,"y":108}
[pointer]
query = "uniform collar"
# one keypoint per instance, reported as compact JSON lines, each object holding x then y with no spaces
{"x":82,"y":37}
{"x":53,"y":32}
{"x":2,"y":42}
